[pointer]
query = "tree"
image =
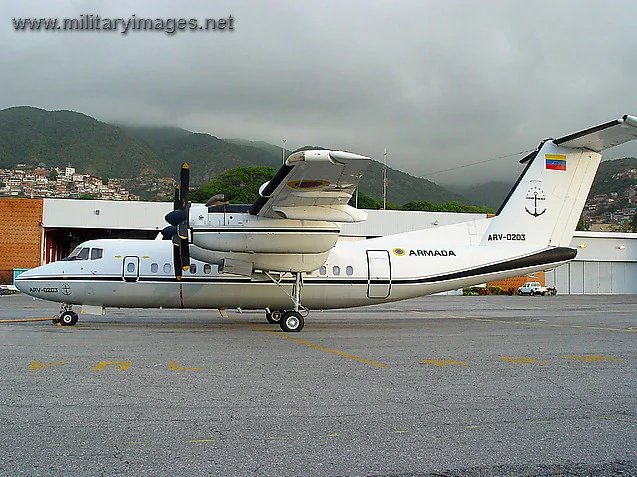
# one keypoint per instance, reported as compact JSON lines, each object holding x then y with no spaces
{"x":240,"y":185}
{"x":583,"y":224}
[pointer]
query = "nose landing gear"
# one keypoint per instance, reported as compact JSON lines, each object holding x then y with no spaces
{"x":67,"y":316}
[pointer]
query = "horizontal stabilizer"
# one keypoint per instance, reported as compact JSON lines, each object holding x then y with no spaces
{"x":598,"y":138}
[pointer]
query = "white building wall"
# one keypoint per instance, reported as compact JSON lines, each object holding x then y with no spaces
{"x":107,"y":214}
{"x":606,"y":263}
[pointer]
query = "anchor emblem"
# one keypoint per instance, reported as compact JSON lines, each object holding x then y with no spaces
{"x":66,"y":290}
{"x":536,"y":195}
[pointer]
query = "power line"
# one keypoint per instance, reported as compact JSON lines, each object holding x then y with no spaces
{"x":476,"y":163}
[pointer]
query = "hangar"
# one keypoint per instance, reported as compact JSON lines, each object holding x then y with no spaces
{"x":39,"y":231}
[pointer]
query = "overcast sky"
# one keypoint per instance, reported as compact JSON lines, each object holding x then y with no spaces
{"x":440,"y":84}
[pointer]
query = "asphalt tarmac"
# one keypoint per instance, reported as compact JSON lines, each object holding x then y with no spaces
{"x":443,"y":385}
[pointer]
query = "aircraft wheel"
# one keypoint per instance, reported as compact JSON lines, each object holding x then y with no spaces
{"x":68,"y":318}
{"x":531,"y":293}
{"x":292,"y":321}
{"x":273,"y":316}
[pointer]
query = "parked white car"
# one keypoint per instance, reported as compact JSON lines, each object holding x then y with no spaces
{"x":533,"y":288}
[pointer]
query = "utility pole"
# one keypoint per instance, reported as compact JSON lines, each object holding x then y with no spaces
{"x":283,"y":151}
{"x":385,"y":181}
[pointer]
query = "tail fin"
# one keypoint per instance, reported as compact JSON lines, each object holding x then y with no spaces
{"x":546,"y":202}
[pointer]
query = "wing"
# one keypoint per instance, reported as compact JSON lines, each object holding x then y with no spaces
{"x":313,"y":185}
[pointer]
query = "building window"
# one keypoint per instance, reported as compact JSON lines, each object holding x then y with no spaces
{"x":349,"y":270}
{"x":336,"y":270}
{"x":96,"y":253}
{"x":207,"y":269}
{"x":154,"y":268}
{"x":167,"y":268}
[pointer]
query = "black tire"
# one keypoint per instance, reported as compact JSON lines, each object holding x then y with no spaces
{"x":531,"y":293}
{"x":292,"y":322}
{"x":68,"y":318}
{"x":274,"y":316}
{"x":519,"y":292}
{"x":543,"y":293}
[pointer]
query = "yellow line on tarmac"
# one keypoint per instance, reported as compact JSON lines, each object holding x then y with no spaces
{"x":26,"y":320}
{"x":312,"y":345}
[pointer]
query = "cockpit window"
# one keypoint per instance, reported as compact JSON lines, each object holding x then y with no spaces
{"x":74,"y":253}
{"x":96,"y":253}
{"x":80,"y":253}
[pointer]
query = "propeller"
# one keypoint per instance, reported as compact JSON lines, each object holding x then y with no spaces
{"x":178,"y":219}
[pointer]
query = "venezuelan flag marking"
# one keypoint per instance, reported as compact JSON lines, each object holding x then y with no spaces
{"x":555,"y":162}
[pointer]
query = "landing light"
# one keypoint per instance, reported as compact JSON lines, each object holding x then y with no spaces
{"x":622,"y":247}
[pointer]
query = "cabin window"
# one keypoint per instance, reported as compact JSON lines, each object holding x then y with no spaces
{"x":167,"y":268}
{"x":96,"y":253}
{"x":193,"y":268}
{"x":336,"y":270}
{"x":83,"y":255}
{"x":323,"y":271}
{"x":207,"y":269}
{"x":349,"y":270}
{"x":154,"y":268}
{"x":130,"y":267}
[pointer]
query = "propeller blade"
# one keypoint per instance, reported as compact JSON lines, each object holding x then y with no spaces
{"x":184,"y":185}
{"x":177,"y":256}
{"x":176,"y":200}
{"x":184,"y":251}
{"x":182,"y":230}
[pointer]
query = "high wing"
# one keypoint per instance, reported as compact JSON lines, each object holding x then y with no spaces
{"x":313,"y":185}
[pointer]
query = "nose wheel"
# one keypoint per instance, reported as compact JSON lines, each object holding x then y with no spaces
{"x":67,"y":316}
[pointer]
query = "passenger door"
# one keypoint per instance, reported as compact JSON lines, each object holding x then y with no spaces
{"x":378,"y":274}
{"x":131,"y":269}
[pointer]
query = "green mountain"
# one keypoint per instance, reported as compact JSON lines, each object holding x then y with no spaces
{"x":492,"y":194}
{"x":60,"y":138}
{"x":605,"y":183}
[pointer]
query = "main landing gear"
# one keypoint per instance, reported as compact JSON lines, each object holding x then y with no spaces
{"x":290,"y":320}
{"x":67,"y":316}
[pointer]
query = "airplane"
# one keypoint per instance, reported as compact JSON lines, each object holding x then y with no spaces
{"x":282,"y":254}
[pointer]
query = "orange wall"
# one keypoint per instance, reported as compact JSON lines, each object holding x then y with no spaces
{"x":21,"y":226}
{"x":517,"y":282}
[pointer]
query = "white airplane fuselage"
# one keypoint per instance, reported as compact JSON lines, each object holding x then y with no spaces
{"x":138,"y":273}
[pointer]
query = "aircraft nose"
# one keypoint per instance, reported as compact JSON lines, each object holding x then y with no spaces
{"x":21,"y":281}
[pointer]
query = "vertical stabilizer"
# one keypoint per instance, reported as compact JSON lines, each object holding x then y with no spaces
{"x":545,"y":204}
